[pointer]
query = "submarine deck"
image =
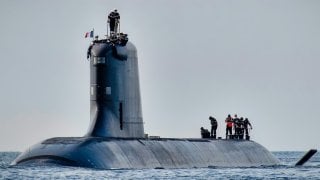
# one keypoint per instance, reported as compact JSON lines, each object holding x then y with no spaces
{"x":139,"y":153}
{"x":71,"y":140}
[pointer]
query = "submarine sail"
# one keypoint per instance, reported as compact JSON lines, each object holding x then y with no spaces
{"x":115,"y":105}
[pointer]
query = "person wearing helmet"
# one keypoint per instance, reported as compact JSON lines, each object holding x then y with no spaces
{"x":113,"y":20}
{"x":214,"y":126}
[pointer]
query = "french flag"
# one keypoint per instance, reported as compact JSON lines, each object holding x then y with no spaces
{"x":89,"y":34}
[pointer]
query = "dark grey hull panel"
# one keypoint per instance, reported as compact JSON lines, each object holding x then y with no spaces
{"x":120,"y":153}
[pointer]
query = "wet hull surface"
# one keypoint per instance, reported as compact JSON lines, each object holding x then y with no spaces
{"x":133,"y":153}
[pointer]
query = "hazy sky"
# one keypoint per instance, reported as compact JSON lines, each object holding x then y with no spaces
{"x":259,"y":59}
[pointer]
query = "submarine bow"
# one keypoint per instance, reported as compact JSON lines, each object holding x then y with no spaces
{"x":115,"y":138}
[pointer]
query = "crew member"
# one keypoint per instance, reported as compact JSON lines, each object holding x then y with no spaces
{"x":204,"y":133}
{"x":214,"y":126}
{"x":247,"y":123}
{"x":89,"y":51}
{"x":113,"y":20}
{"x":236,"y":126}
{"x":241,"y":128}
{"x":229,"y":127}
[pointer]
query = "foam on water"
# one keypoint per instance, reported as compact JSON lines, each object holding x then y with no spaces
{"x":311,"y":170}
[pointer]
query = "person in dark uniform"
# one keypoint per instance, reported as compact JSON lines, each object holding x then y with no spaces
{"x":89,"y":51}
{"x":204,"y":133}
{"x":241,"y":128}
{"x":214,"y":126}
{"x":113,"y":20}
{"x":236,"y":126}
{"x":229,"y":127}
{"x":247,"y":123}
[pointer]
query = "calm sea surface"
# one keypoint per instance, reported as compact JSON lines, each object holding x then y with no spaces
{"x":311,"y":170}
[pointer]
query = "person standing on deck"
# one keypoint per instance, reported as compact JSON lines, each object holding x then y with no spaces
{"x":229,"y":127}
{"x":214,"y":126}
{"x":246,"y":123}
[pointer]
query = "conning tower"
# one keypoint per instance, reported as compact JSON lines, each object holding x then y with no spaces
{"x":115,"y":105}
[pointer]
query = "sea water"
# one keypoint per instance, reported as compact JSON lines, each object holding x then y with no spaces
{"x":287,"y":170}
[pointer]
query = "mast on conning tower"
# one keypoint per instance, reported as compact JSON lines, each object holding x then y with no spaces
{"x":114,"y":22}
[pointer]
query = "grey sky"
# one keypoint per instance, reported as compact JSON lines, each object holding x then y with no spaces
{"x":259,"y":59}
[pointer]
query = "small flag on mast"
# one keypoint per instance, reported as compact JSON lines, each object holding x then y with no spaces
{"x":89,"y":34}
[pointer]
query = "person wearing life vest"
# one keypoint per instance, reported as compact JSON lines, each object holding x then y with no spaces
{"x":229,"y":127}
{"x":214,"y":126}
{"x":246,"y":123}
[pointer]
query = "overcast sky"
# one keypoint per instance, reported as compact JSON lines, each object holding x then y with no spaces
{"x":259,"y":59}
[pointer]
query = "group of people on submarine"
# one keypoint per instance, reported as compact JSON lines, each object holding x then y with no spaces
{"x":236,"y":128}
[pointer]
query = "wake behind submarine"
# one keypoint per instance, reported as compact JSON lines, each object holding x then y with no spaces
{"x":116,"y":138}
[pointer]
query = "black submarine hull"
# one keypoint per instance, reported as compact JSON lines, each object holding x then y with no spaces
{"x":140,"y":153}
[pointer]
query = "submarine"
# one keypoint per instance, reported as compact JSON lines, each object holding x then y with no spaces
{"x":116,"y":139}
